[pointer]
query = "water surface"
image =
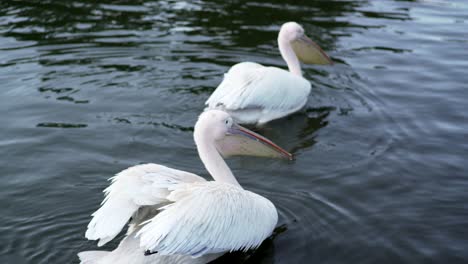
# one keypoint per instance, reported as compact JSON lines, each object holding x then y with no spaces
{"x":380,"y":176}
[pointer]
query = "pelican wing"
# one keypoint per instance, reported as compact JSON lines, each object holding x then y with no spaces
{"x":141,"y":185}
{"x":250,"y":85}
{"x":209,"y":217}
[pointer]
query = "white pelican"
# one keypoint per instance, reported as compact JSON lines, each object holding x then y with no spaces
{"x":179,"y":217}
{"x":255,"y":94}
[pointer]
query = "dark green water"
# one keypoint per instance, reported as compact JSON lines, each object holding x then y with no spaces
{"x":381,"y":174}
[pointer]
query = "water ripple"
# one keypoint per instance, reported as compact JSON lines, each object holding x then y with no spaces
{"x":91,"y":88}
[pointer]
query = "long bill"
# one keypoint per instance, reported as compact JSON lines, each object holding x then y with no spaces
{"x":242,"y":141}
{"x":309,"y":52}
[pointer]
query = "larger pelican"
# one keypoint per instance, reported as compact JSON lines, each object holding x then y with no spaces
{"x":179,"y":217}
{"x":255,"y":94}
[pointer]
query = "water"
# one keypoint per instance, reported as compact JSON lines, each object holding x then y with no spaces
{"x":380,"y":176}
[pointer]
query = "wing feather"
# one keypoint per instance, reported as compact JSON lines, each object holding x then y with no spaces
{"x":141,"y":185}
{"x":250,"y":85}
{"x":209,"y":217}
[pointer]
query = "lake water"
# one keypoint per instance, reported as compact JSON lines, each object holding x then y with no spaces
{"x":381,"y":170}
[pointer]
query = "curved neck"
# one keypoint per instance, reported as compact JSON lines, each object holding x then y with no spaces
{"x":214,"y":162}
{"x":289,"y":56}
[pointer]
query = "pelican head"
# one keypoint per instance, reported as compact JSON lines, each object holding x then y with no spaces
{"x":305,"y":49}
{"x":217,"y":127}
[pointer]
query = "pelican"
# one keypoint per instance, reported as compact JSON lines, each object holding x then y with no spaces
{"x":179,"y":217}
{"x":255,"y":94}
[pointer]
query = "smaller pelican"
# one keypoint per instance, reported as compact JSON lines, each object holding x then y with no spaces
{"x":255,"y":94}
{"x":179,"y":217}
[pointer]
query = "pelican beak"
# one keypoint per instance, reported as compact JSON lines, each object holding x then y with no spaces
{"x":241,"y":141}
{"x":309,"y":52}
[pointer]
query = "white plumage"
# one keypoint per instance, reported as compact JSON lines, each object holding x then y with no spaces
{"x":129,"y":251}
{"x":227,"y":218}
{"x":179,"y":215}
{"x":255,"y":94}
{"x":135,"y":187}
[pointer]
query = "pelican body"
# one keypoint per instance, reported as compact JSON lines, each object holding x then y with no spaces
{"x":179,"y":217}
{"x":255,"y":94}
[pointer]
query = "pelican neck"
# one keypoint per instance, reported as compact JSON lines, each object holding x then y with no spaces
{"x":289,"y":56}
{"x":214,"y":162}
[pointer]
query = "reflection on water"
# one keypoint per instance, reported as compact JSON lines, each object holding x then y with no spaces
{"x":92,"y":87}
{"x":61,"y":125}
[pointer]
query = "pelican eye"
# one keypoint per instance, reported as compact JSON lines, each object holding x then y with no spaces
{"x":228,"y":122}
